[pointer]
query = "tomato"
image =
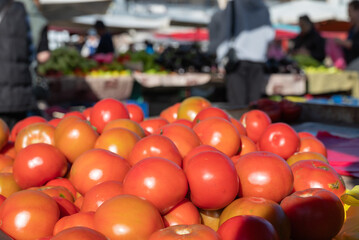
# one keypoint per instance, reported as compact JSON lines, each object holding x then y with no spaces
{"x":261,"y":207}
{"x":23,"y":123}
{"x":185,"y":122}
{"x":35,"y":133}
{"x":79,"y":201}
{"x":9,"y":150}
{"x":5,"y":161}
{"x":4,"y":133}
{"x":87,"y":113}
{"x":219,"y":133}
{"x":38,"y":163}
{"x":170,"y":113}
{"x":87,"y":171}
{"x":28,"y":214}
{"x":247,"y":146}
{"x":210,"y":218}
{"x":270,"y":107}
{"x":135,"y":112}
{"x":74,"y":136}
{"x":298,"y":156}
{"x":155,"y":146}
{"x":264,"y":174}
{"x":241,"y":129}
{"x":118,"y":218}
{"x":99,"y":194}
{"x":305,"y":134}
{"x":2,"y":199}
{"x":184,"y":213}
{"x":154,"y":179}
{"x":56,"y":191}
{"x":105,"y":111}
{"x":79,"y":233}
{"x":190,"y":232}
{"x":255,"y":122}
{"x":281,"y":139}
{"x":63,"y":182}
{"x":247,"y":227}
{"x":8,"y":184}
{"x":191,"y":106}
{"x":66,"y":207}
{"x":210,"y":112}
{"x":314,"y":214}
{"x":152,"y":124}
{"x":126,"y":123}
{"x":194,"y":151}
{"x":80,"y":219}
{"x":182,"y":136}
{"x":75,"y":114}
{"x":212,"y":180}
{"x":317,"y":174}
{"x":54,"y":122}
{"x":310,"y":144}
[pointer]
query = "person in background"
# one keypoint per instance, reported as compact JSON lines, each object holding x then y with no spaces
{"x":16,"y":95}
{"x":309,"y":42}
{"x":351,"y":44}
{"x":105,"y":45}
{"x":91,"y":43}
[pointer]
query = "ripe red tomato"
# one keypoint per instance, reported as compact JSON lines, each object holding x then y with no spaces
{"x":127,"y":217}
{"x":56,"y":191}
{"x":87,"y":171}
{"x":313,"y":214}
{"x":126,"y":123}
{"x":261,"y":207}
{"x":264,"y":174}
{"x":79,"y":233}
{"x":312,"y":144}
{"x":184,"y":213}
{"x":190,"y":232}
{"x":54,"y":122}
{"x":305,"y":134}
{"x":74,"y":136}
{"x":135,"y":112}
{"x":191,"y":106}
{"x":4,"y":133}
{"x":210,"y":112}
{"x":219,"y":133}
{"x":75,"y":114}
{"x":152,"y":124}
{"x":105,"y":111}
{"x":80,"y":219}
{"x":212,"y":180}
{"x":185,"y":122}
{"x":281,"y":139}
{"x":63,"y":182}
{"x":66,"y":207}
{"x":317,"y":174}
{"x":37,"y":164}
{"x":247,"y":227}
{"x":87,"y":113}
{"x":170,"y":113}
{"x":241,"y":129}
{"x":23,"y":123}
{"x":194,"y":151}
{"x":154,"y":179}
{"x":255,"y":122}
{"x":28,"y":214}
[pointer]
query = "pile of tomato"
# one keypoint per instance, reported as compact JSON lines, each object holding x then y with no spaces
{"x":194,"y":172}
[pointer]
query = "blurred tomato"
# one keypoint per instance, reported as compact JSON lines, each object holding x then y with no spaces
{"x":185,"y":122}
{"x":80,"y":219}
{"x":312,"y":144}
{"x":210,"y":218}
{"x":210,"y":112}
{"x":5,"y":161}
{"x":9,"y":150}
{"x":79,"y":233}
{"x":4,"y":133}
{"x":241,"y":129}
{"x":190,"y":232}
{"x":23,"y":123}
{"x":8,"y":184}
{"x":184,"y":213}
{"x":87,"y":113}
{"x":270,"y":107}
{"x":255,"y":122}
{"x":127,"y":124}
{"x":305,"y":134}
{"x":152,"y":124}
{"x":54,"y":122}
{"x":299,"y":156}
{"x":191,"y":106}
{"x":75,"y":114}
{"x":38,"y":163}
{"x":170,"y":113}
{"x":135,"y":112}
{"x":247,"y":146}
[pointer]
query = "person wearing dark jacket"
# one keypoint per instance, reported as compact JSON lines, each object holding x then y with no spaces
{"x":16,"y":96}
{"x":105,"y":45}
{"x":309,"y":42}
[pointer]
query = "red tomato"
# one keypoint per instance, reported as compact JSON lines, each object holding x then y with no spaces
{"x":219,"y":133}
{"x":264,"y":174}
{"x":126,"y":123}
{"x":28,"y":214}
{"x":4,"y":133}
{"x":66,"y":207}
{"x":99,"y":194}
{"x":241,"y":129}
{"x":212,"y":180}
{"x":105,"y":111}
{"x":247,"y":227}
{"x":194,"y":151}
{"x":255,"y":122}
{"x":127,"y":217}
{"x":312,"y":144}
{"x":185,"y":122}
{"x":2,"y":199}
{"x":190,"y":232}
{"x":155,"y":146}
{"x":87,"y":171}
{"x":184,"y":213}
{"x":191,"y":106}
{"x":154,"y":179}
{"x":261,"y":207}
{"x":135,"y":112}
{"x":87,"y":113}
{"x":37,"y":164}
{"x":210,"y":112}
{"x":152,"y":124}
{"x":74,"y":136}
{"x":305,"y":134}
{"x":23,"y":123}
{"x":56,"y":191}
{"x":314,"y":214}
{"x":79,"y":233}
{"x":75,"y":114}
{"x":35,"y":133}
{"x":63,"y":182}
{"x":5,"y":161}
{"x":281,"y":139}
{"x":182,"y":136}
{"x":317,"y":174}
{"x":80,"y":219}
{"x":54,"y":122}
{"x":170,"y":113}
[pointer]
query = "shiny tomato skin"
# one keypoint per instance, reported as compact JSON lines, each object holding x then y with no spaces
{"x":54,"y":122}
{"x":154,"y":179}
{"x":188,"y":232}
{"x":63,"y":182}
{"x":170,"y":113}
{"x":191,"y":106}
{"x":87,"y":113}
{"x":210,"y":112}
{"x":314,"y":214}
{"x":264,"y":174}
{"x":255,"y":122}
{"x":152,"y":124}
{"x":135,"y":112}
{"x":79,"y":233}
{"x":4,"y":133}
{"x":194,"y":151}
{"x":127,"y":124}
{"x":281,"y":139}
{"x":312,"y":144}
{"x":299,"y":156}
{"x":184,"y":213}
{"x":28,"y":214}
{"x":80,"y":219}
{"x":127,"y":217}
{"x":76,"y":114}
{"x":66,"y":207}
{"x":106,"y":110}
{"x":23,"y":123}
{"x":37,"y":164}
{"x":8,"y":184}
{"x":212,"y":180}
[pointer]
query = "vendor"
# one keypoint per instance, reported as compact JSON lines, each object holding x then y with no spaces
{"x":309,"y":42}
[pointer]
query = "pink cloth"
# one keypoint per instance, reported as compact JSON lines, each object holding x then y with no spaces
{"x":343,"y":153}
{"x":335,"y":53}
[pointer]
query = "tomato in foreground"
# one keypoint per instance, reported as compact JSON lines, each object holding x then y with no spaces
{"x":190,"y":232}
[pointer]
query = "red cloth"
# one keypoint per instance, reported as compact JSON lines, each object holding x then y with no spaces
{"x":343,"y":153}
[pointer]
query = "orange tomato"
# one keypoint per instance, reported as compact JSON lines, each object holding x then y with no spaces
{"x":75,"y":114}
{"x":210,"y":218}
{"x":5,"y":161}
{"x":54,"y":122}
{"x":87,"y":171}
{"x":185,"y":122}
{"x":9,"y":150}
{"x":184,"y":212}
{"x":299,"y":156}
{"x":28,"y":214}
{"x":190,"y":232}
{"x":56,"y":191}
{"x":4,"y":133}
{"x":170,"y":113}
{"x":312,"y":144}
{"x":191,"y":106}
{"x":23,"y":123}
{"x":74,"y":136}
{"x":241,"y":129}
{"x":127,"y":124}
{"x":8,"y":185}
{"x":118,"y":218}
{"x":152,"y":124}
{"x":136,"y":113}
{"x":247,"y":146}
{"x":79,"y":233}
{"x":63,"y":182}
{"x":80,"y":219}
